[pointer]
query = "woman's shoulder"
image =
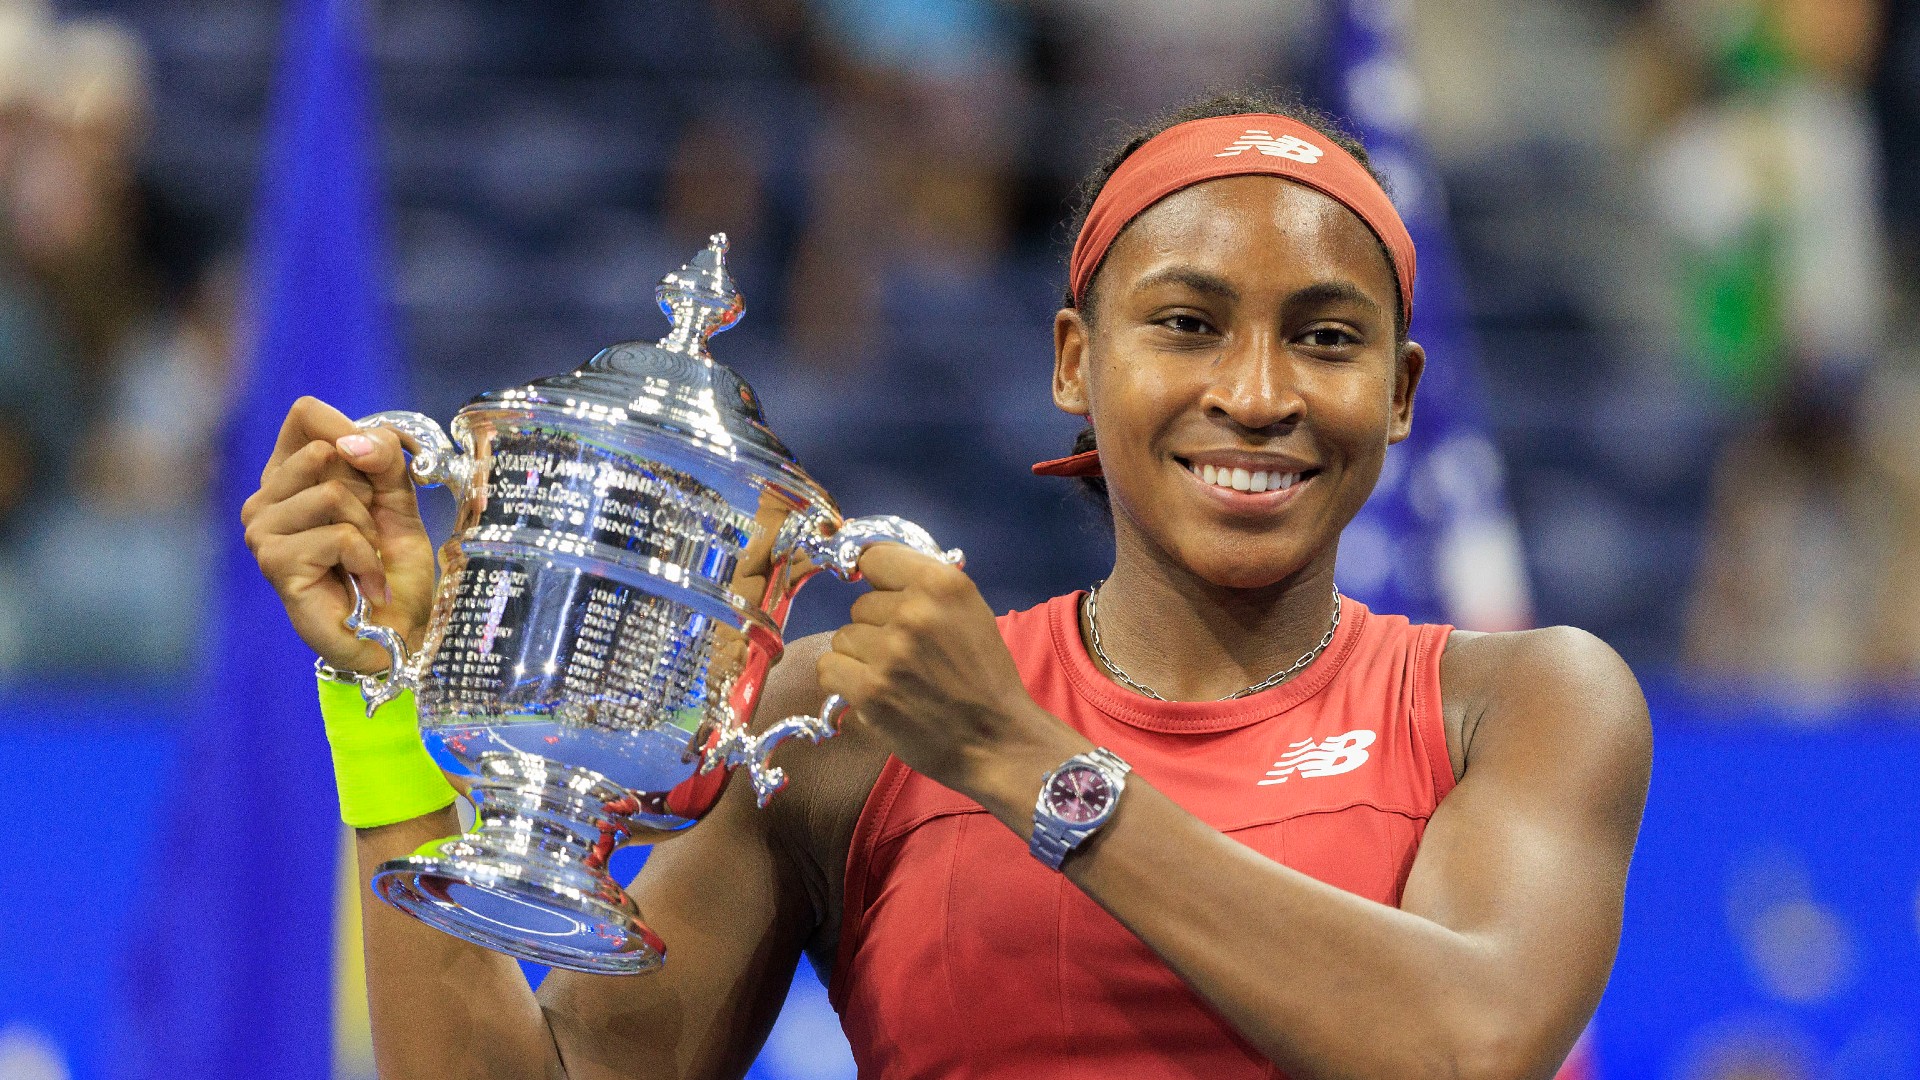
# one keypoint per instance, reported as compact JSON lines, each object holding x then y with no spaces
{"x":1559,"y":653}
{"x":1556,"y":683}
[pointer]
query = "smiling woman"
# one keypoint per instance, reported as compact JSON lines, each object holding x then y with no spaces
{"x":1235,"y":332}
{"x":1209,"y":819}
{"x":1089,"y":257}
{"x":1359,"y":862}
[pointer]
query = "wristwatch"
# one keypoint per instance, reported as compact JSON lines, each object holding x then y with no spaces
{"x":1075,"y":800}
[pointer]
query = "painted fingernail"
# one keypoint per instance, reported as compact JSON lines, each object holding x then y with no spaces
{"x":355,"y":445}
{"x":388,"y":590}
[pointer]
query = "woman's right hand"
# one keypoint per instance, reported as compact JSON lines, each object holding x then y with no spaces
{"x":337,"y":500}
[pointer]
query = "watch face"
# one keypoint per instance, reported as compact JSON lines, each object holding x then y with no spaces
{"x":1079,"y":794}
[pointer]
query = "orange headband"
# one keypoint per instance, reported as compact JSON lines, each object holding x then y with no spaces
{"x":1238,"y":145}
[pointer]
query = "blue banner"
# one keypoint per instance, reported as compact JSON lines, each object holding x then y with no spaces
{"x":233,"y":973}
{"x":1437,"y":541}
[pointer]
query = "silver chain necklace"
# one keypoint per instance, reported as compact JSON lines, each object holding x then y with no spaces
{"x":1093,"y":625}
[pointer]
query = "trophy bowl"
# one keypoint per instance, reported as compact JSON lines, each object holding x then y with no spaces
{"x":628,"y":542}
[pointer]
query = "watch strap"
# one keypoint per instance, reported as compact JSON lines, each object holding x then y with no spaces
{"x":1051,"y":846}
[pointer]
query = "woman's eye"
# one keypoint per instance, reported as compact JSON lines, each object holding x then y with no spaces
{"x":1328,"y":337}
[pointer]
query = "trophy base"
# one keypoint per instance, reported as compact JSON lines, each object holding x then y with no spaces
{"x":530,"y":880}
{"x":507,"y":909}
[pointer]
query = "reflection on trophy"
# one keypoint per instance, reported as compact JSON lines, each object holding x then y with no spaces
{"x":629,"y":540}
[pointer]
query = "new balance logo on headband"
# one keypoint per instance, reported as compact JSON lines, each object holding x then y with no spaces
{"x":1286,"y":146}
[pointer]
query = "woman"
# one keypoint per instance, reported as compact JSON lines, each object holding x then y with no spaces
{"x":1274,"y":886}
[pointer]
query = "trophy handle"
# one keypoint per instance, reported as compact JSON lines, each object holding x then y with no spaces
{"x":752,"y":750}
{"x":839,"y":550}
{"x":400,"y":675}
{"x":435,"y":460}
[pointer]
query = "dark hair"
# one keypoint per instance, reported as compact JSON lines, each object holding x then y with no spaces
{"x":1280,"y":103}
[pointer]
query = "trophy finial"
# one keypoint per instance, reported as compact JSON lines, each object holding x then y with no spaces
{"x":700,"y":299}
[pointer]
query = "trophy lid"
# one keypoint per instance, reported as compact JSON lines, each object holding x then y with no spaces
{"x":673,"y":386}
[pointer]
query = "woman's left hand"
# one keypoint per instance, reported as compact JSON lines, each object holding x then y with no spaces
{"x":924,"y":665}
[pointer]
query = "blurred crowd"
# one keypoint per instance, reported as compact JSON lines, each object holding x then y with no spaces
{"x":114,"y":354}
{"x":1792,"y":249}
{"x":1689,"y":243}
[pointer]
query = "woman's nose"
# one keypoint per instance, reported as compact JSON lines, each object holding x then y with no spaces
{"x":1255,"y":389}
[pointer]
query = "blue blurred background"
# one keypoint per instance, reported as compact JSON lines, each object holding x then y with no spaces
{"x":1680,"y":411}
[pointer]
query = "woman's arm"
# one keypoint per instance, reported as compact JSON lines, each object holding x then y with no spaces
{"x":724,"y":897}
{"x":440,"y":1006}
{"x":730,"y":900}
{"x":1510,"y":917}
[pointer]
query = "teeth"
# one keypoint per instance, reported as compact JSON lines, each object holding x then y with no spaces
{"x":1245,"y":479}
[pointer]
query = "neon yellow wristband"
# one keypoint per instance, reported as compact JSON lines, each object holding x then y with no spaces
{"x":381,"y":768}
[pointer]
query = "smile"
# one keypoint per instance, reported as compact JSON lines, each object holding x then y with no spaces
{"x":1248,"y":489}
{"x":1243,"y":479}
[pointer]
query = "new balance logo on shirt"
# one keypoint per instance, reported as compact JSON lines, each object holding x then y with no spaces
{"x":1330,"y":756}
{"x":1286,"y":146}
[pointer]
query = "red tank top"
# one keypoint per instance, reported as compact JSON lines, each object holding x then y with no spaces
{"x":962,"y":956}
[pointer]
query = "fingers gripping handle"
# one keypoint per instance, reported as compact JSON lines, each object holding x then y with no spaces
{"x":436,"y":460}
{"x":753,"y":750}
{"x":839,"y":551}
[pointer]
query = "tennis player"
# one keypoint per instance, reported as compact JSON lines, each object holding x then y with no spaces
{"x":1207,"y":819}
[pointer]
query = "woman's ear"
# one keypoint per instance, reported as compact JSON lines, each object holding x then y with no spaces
{"x":1070,"y":392}
{"x":1408,"y":365}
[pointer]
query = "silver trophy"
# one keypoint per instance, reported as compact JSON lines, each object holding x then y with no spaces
{"x":629,"y":540}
